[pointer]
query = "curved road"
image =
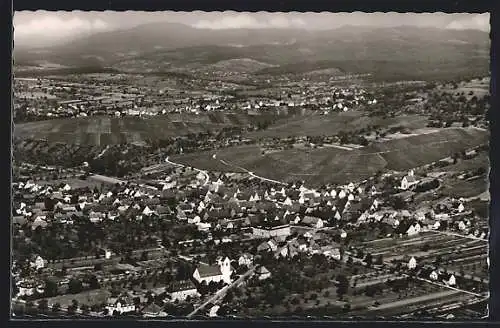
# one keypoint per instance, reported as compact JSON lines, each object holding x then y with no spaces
{"x":249,"y":172}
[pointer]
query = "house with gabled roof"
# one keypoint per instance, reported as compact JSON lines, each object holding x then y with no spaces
{"x":451,"y":281}
{"x":40,"y":221}
{"x":272,"y":231}
{"x":409,"y":181}
{"x":180,"y":290}
{"x":245,"y":259}
{"x":313,"y":222}
{"x":122,"y":304}
{"x":153,"y":311}
{"x":290,"y":250}
{"x":412,"y":263}
{"x":163,"y":210}
{"x":262,"y":273}
{"x":207,"y":273}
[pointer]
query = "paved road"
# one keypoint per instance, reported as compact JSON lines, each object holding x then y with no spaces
{"x":235,"y":283}
{"x":337,"y":146}
{"x":458,"y":274}
{"x":102,"y":152}
{"x":455,"y":234}
{"x":250,"y":172}
{"x":222,"y":292}
{"x":411,"y":301}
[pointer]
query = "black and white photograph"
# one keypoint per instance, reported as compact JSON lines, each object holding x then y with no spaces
{"x":257,"y":165}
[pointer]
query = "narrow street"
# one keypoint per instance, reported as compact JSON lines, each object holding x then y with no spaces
{"x":222,"y":292}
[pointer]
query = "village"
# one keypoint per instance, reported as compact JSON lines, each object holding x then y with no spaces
{"x":111,"y":95}
{"x":188,"y":242}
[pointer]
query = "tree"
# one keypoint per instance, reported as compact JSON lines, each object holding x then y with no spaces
{"x":398,"y":203}
{"x":370,"y":291}
{"x":71,"y":309}
{"x":94,"y":282}
{"x":229,"y":296}
{"x":369,"y":260}
{"x":43,"y":305}
{"x":75,"y":286}
{"x":342,"y":285}
{"x":56,"y":307}
{"x":85,"y":308}
{"x":29,"y":306}
{"x":49,"y":204}
{"x":51,"y":288}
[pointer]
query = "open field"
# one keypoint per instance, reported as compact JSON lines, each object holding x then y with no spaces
{"x":474,"y":87}
{"x":107,"y":130}
{"x":319,"y":166}
{"x":438,"y":298}
{"x":97,"y":296}
{"x":34,"y":95}
{"x":318,"y":125}
{"x":73,"y":183}
{"x":482,"y":160}
{"x":456,"y":254}
{"x":466,"y":189}
{"x":405,"y":153}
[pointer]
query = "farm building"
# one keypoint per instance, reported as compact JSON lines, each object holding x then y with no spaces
{"x":266,"y":232}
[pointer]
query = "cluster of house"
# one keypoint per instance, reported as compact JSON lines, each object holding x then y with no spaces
{"x":269,"y":211}
{"x":113,"y":102}
{"x":310,"y":243}
{"x":220,"y":272}
{"x":31,"y":202}
{"x":448,"y":279}
{"x":225,"y":205}
{"x":340,"y":99}
{"x":236,"y":207}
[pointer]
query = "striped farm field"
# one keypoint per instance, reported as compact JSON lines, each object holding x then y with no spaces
{"x":103,"y":130}
{"x":319,"y":166}
{"x":318,"y":125}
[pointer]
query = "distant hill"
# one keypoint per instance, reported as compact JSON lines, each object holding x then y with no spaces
{"x":404,"y":50}
{"x":239,"y":65}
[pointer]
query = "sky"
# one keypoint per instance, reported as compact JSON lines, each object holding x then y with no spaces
{"x":44,"y":27}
